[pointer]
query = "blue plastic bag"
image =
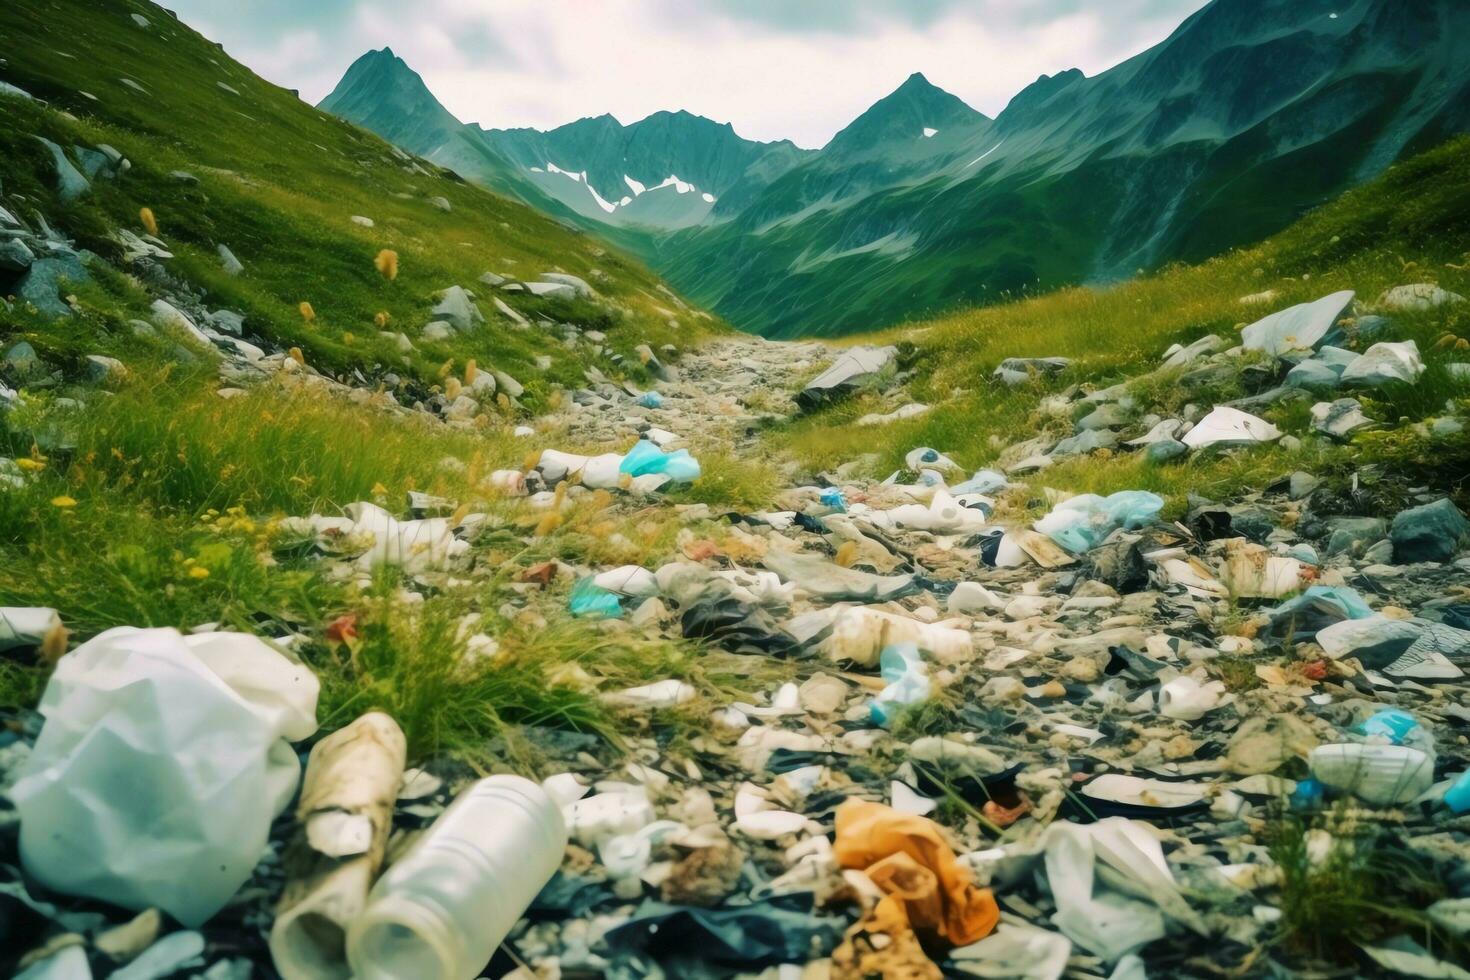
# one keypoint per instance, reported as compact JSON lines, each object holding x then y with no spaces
{"x":984,"y":481}
{"x":1390,"y":723}
{"x":832,"y":497}
{"x":651,"y":399}
{"x":590,"y":599}
{"x":908,"y":682}
{"x":1341,"y":596}
{"x":646,"y":458}
{"x":1080,"y":523}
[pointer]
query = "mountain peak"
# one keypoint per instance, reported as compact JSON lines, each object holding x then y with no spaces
{"x":380,"y":91}
{"x":916,"y":106}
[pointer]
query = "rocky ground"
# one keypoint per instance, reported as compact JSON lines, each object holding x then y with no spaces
{"x":1109,"y":744}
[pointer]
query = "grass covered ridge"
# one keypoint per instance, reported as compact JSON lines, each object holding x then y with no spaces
{"x":1410,"y":225}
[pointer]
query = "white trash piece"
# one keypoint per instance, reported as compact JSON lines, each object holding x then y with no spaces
{"x":22,"y":626}
{"x":628,"y":580}
{"x":596,"y":472}
{"x":1226,"y":426}
{"x":1380,"y":774}
{"x":161,"y":763}
{"x":441,"y":910}
{"x":1188,"y":699}
{"x":860,"y":633}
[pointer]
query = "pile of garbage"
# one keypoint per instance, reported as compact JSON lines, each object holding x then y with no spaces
{"x":1014,"y":741}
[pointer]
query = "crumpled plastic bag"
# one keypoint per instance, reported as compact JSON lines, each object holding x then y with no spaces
{"x":1081,"y":523}
{"x":908,"y":859}
{"x":908,"y":682}
{"x":645,"y":458}
{"x":161,"y":763}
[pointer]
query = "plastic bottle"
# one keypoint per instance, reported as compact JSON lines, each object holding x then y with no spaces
{"x":440,"y":912}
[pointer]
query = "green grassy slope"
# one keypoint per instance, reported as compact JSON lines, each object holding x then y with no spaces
{"x":1410,"y":225}
{"x":278,"y":184}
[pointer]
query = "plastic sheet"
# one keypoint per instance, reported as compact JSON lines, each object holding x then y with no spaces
{"x":646,"y":459}
{"x":1080,"y":523}
{"x":907,"y":677}
{"x":590,"y":599}
{"x":161,"y":763}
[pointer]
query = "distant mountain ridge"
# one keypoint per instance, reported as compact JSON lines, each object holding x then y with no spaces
{"x":1249,"y":113}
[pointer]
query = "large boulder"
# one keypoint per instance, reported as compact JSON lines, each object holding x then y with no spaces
{"x":457,"y":308}
{"x":1305,"y":326}
{"x":1428,"y":533}
{"x":1384,"y":363}
{"x":70,"y":184}
{"x":41,"y":285}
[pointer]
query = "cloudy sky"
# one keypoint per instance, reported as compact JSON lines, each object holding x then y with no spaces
{"x":794,"y":69}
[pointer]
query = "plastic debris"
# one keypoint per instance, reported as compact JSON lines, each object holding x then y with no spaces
{"x":646,"y":459}
{"x":198,"y":727}
{"x":442,"y":909}
{"x":1304,"y":327}
{"x":1080,"y":523}
{"x":1226,"y":426}
{"x":907,"y":680}
{"x":590,"y":599}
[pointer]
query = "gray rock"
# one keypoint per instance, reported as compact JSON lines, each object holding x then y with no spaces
{"x":227,"y":260}
{"x":457,"y":308}
{"x":24,"y":361}
{"x":1428,"y":533}
{"x":1370,"y":327}
{"x":1165,"y":430}
{"x":100,"y":368}
{"x":1312,"y":374}
{"x":1301,"y":484}
{"x":1339,"y":419}
{"x":442,"y":203}
{"x":1351,"y":535}
{"x":578,"y":284}
{"x":362,"y":220}
{"x":70,"y":184}
{"x":228,"y":321}
{"x":93,"y":163}
{"x":42,"y":283}
{"x":1108,"y":416}
{"x":8,"y":91}
{"x":1179,"y":355}
{"x":1417,"y":296}
{"x":1165,"y":450}
{"x":436,"y":330}
{"x":493,"y":279}
{"x":1384,"y":363}
{"x":1017,"y":370}
{"x":509,"y":313}
{"x":15,"y":255}
{"x":551,"y":290}
{"x":1378,"y":553}
{"x":1084,"y":443}
{"x":1306,"y":326}
{"x":183,"y":177}
{"x":509,"y":385}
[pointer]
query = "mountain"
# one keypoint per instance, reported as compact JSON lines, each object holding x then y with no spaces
{"x":1250,"y":113}
{"x":1247,"y":115}
{"x":380,"y":92}
{"x":664,"y":172}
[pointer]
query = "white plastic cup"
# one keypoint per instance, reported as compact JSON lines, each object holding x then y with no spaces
{"x":440,"y":912}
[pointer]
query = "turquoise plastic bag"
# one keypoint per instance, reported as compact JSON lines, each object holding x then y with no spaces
{"x":908,"y":682}
{"x":651,"y":399}
{"x":646,"y":458}
{"x":1344,"y":598}
{"x":590,"y":599}
{"x":1081,"y":523}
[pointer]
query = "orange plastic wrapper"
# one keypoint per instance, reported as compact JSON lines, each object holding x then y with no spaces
{"x":906,"y":856}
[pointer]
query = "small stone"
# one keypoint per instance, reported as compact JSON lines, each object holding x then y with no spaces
{"x":1165,"y":450}
{"x":1428,"y":533}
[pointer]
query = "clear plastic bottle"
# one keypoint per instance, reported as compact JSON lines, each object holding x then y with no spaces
{"x":442,"y":909}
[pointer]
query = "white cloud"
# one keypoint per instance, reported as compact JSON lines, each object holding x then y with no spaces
{"x":545,"y":62}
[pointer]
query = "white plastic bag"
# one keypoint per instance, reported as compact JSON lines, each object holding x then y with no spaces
{"x":161,"y":763}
